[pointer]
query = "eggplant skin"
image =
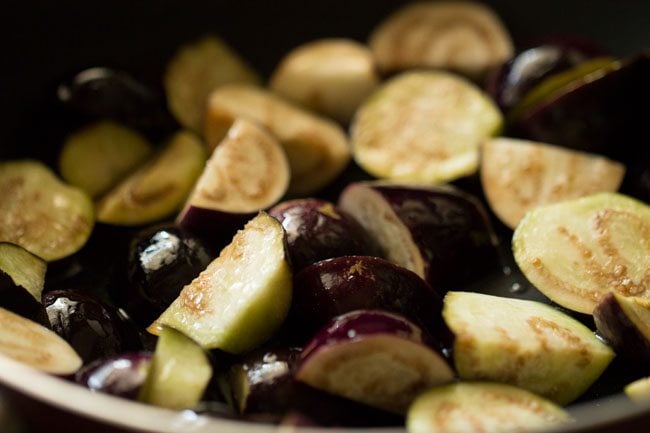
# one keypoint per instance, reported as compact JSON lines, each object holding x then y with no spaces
{"x":16,"y":299}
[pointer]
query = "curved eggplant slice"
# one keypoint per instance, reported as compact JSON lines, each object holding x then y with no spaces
{"x":423,"y":127}
{"x":22,"y":277}
{"x":474,"y":407}
{"x":242,"y":297}
{"x":467,"y":37}
{"x":98,"y":156}
{"x":35,"y":345}
{"x":519,"y":175}
{"x":523,"y":343}
{"x":639,"y":390}
{"x":178,"y":374}
{"x":317,"y":147}
{"x":195,"y":71}
{"x":577,"y":251}
{"x":373,"y":357}
{"x":329,"y":76}
{"x":40,"y":213}
{"x":158,"y":188}
{"x":247,"y":172}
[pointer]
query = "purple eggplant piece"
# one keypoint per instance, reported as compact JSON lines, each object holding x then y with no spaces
{"x":439,"y":233}
{"x":318,"y":230}
{"x":336,"y":286}
{"x":508,"y":84}
{"x":606,"y":115}
{"x":375,"y":358}
{"x":627,"y":333}
{"x":216,"y":228}
{"x":121,"y":375}
{"x":161,"y":261}
{"x":100,"y":93}
{"x":94,"y":329}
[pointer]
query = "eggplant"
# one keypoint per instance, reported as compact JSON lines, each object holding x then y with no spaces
{"x":467,"y":37}
{"x":578,"y":251}
{"x":242,"y":298}
{"x":523,"y":343}
{"x":318,"y":230}
{"x":423,"y":127}
{"x":329,"y":76}
{"x":161,"y":261}
{"x":375,"y":358}
{"x":35,"y":345}
{"x":246,"y":173}
{"x":121,"y":375}
{"x":624,"y":321}
{"x":94,"y":329}
{"x":40,"y":213}
{"x":336,"y":286}
{"x":639,"y":390}
{"x":473,"y":407}
{"x":439,"y":233}
{"x":22,"y":277}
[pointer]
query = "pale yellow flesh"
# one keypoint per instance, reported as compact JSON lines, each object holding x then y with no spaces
{"x":178,"y":374}
{"x":40,"y":213}
{"x":637,"y":310}
{"x":98,"y":156}
{"x":247,"y":172}
{"x":639,"y":391}
{"x":520,"y":175}
{"x":157,"y":189}
{"x":197,"y":69}
{"x":482,"y":407}
{"x":423,"y":127}
{"x":463,"y":36}
{"x":35,"y":345}
{"x":242,"y":297}
{"x":25,"y":269}
{"x":329,"y":76}
{"x":523,"y":343}
{"x":316,"y":147}
{"x":577,"y":251}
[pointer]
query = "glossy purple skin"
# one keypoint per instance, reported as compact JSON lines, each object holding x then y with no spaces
{"x":216,"y":227}
{"x":451,"y":230}
{"x":622,"y":333}
{"x":161,"y":261}
{"x":336,"y":286}
{"x":510,"y":83}
{"x":318,"y":230}
{"x":121,"y":375}
{"x":101,"y":93}
{"x":606,"y":116}
{"x":94,"y":329}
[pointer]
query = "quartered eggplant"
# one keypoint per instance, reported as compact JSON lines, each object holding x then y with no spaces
{"x":121,"y":375}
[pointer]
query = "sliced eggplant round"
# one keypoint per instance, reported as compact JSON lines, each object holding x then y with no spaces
{"x":523,"y":343}
{"x":329,"y":76}
{"x":482,"y":407}
{"x":466,"y":36}
{"x":577,"y":251}
{"x":157,"y":189}
{"x":519,"y":175}
{"x":423,"y":127}
{"x":247,"y":172}
{"x":317,"y":147}
{"x":40,"y":213}
{"x":100,"y":155}
{"x":439,"y":233}
{"x":33,"y":344}
{"x":373,"y":357}
{"x":196,"y":70}
{"x":242,"y":297}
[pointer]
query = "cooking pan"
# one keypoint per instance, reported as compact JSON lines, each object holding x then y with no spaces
{"x":45,"y":42}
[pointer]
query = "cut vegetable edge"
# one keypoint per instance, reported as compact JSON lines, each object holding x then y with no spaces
{"x":24,"y":268}
{"x":477,"y":406}
{"x":423,"y":127}
{"x":178,"y":374}
{"x":519,"y":175}
{"x":36,"y":346}
{"x":464,"y":36}
{"x":639,"y":391}
{"x":574,"y":261}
